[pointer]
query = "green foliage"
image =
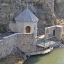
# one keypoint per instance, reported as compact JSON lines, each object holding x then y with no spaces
{"x":3,"y":28}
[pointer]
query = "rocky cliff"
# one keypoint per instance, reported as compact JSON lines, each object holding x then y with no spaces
{"x":59,"y":8}
{"x":43,"y":9}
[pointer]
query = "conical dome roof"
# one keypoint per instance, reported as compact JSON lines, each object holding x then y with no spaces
{"x":26,"y":16}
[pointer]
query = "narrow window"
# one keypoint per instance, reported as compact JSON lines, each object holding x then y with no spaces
{"x":53,"y":32}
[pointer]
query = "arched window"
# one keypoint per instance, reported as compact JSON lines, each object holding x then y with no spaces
{"x":28,"y":29}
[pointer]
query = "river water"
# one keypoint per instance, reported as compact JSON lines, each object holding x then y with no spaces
{"x":54,"y":57}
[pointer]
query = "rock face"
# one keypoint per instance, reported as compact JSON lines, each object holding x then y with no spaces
{"x":59,"y":8}
{"x":43,"y":9}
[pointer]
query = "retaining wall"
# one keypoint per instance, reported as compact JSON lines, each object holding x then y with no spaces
{"x":25,"y":42}
{"x":7,"y":44}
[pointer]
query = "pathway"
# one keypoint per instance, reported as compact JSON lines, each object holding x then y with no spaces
{"x":47,"y":43}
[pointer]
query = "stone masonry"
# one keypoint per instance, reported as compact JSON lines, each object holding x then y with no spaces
{"x":25,"y":42}
{"x":7,"y":44}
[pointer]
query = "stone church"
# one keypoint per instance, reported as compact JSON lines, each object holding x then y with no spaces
{"x":25,"y":25}
{"x":25,"y":22}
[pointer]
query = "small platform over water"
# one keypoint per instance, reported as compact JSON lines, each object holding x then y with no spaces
{"x":40,"y":52}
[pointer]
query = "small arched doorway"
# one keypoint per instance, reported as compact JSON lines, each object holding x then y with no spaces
{"x":28,"y":29}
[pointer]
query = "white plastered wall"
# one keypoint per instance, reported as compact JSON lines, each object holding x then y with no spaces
{"x":28,"y":24}
{"x":35,"y":29}
{"x":33,"y":26}
{"x":20,"y":26}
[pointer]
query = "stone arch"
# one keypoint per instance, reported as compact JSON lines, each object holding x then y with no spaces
{"x":28,"y":29}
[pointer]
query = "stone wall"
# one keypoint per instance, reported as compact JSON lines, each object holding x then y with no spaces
{"x":7,"y":44}
{"x":49,"y":32}
{"x":25,"y":42}
{"x":57,"y":30}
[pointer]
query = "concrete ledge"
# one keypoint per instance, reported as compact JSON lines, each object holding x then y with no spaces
{"x":10,"y":35}
{"x":1,"y":41}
